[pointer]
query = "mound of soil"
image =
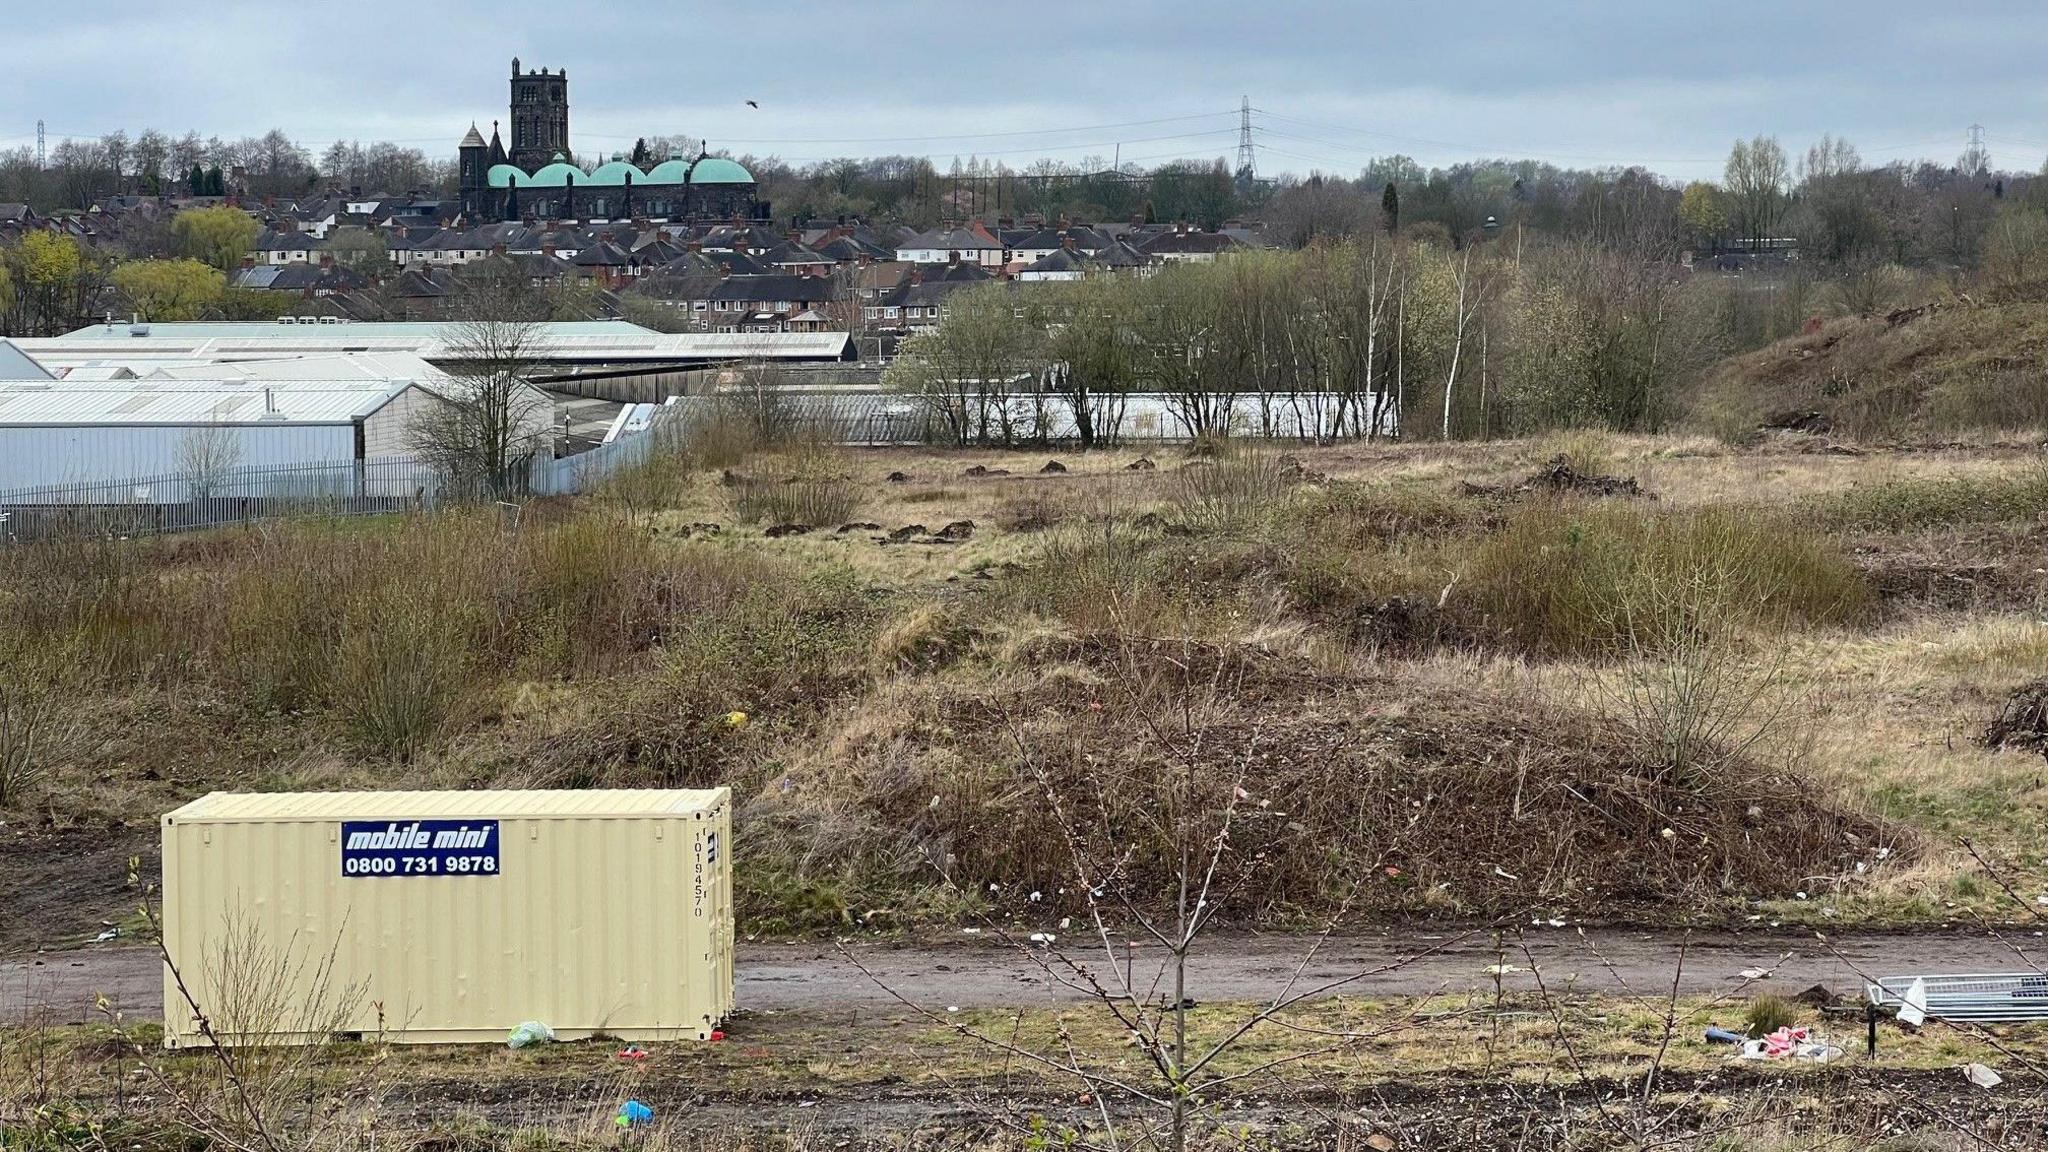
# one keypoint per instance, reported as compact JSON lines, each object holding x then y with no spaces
{"x":1378,"y":794}
{"x":2022,"y":724}
{"x":1972,"y":568}
{"x":1560,"y":476}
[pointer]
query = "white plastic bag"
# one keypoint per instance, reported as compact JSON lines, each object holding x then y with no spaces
{"x":531,"y":1032}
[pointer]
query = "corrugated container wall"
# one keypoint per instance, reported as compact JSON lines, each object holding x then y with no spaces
{"x":448,"y":916}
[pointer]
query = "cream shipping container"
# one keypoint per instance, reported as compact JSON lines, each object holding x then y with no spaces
{"x":447,"y":917}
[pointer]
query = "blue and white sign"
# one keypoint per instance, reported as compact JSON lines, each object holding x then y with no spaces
{"x":419,"y":848}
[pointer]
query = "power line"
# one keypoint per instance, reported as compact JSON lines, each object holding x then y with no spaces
{"x":962,"y":136}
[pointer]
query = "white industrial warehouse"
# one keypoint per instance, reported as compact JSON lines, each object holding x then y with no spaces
{"x":73,"y":425}
{"x":66,"y":433}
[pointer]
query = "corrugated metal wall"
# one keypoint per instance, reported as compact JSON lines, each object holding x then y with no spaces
{"x":32,"y":456}
{"x":388,"y":430}
{"x":621,"y":925}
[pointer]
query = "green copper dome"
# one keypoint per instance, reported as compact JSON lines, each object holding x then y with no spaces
{"x":505,"y":176}
{"x":719,"y":170}
{"x":615,"y":173}
{"x":556,"y":175}
{"x":671,"y":171}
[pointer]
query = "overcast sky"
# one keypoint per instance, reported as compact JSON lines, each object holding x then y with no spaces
{"x":1590,"y":83}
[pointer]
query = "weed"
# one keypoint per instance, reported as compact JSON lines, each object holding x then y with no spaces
{"x":814,"y":501}
{"x":1242,"y":489}
{"x":1767,"y":1013}
{"x":1560,"y":576}
{"x":402,"y":668}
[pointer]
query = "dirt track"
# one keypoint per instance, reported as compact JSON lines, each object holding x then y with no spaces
{"x":983,"y":973}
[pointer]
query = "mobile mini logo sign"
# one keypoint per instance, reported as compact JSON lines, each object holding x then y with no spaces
{"x":419,"y":848}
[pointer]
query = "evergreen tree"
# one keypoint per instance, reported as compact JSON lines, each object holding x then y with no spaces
{"x":640,"y":153}
{"x":216,"y":184}
{"x":1390,"y":206}
{"x":195,"y":181}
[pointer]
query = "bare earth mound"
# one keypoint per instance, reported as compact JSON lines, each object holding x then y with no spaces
{"x":1373,"y":795}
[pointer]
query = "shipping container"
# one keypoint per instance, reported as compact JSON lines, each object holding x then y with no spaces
{"x":447,"y":917}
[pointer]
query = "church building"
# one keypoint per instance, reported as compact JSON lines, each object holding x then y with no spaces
{"x":535,"y":180}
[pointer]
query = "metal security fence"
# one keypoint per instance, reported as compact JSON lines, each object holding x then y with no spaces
{"x":187,"y":502}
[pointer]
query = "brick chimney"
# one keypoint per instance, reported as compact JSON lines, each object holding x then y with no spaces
{"x":498,"y":249}
{"x":547,"y":248}
{"x":916,"y":274}
{"x":327,"y":259}
{"x":693,"y":246}
{"x":248,"y":261}
{"x":1067,"y":241}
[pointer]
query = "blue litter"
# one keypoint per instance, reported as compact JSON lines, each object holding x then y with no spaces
{"x":633,"y":1114}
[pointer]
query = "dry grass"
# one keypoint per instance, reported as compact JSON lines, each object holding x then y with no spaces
{"x":598,"y":646}
{"x":1966,"y":368}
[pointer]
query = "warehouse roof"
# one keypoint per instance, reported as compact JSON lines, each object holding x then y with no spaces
{"x":385,"y":366}
{"x":490,"y":804}
{"x":64,"y":403}
{"x":18,"y":365}
{"x":374,"y":330}
{"x":597,"y":342}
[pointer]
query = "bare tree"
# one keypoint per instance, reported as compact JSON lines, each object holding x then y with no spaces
{"x":1757,"y":175}
{"x":1205,"y":827}
{"x":487,"y":421}
{"x":207,"y":454}
{"x":1471,"y":295}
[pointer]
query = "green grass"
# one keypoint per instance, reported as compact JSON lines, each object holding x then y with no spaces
{"x":1914,"y":504}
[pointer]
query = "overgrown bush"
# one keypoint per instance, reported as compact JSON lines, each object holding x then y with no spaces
{"x":1242,"y":488}
{"x":384,"y":624}
{"x":403,"y":665}
{"x":819,"y":501}
{"x":1564,"y":577}
{"x":38,"y":717}
{"x":1766,"y":1013}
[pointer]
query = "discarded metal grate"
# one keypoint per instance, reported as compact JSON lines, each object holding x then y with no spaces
{"x":1987,"y":997}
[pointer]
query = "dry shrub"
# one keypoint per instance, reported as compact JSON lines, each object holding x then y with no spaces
{"x":2002,"y":400}
{"x":1561,"y":576}
{"x":39,"y":722}
{"x":1116,"y":575}
{"x":815,"y":501}
{"x":752,"y":634}
{"x":1766,"y":1013}
{"x":1244,"y":488}
{"x":386,"y":624}
{"x":402,"y":668}
{"x":1376,"y":795}
{"x":1587,"y":452}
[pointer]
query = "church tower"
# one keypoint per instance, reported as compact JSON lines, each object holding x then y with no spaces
{"x":473,"y":159}
{"x":540,"y":116}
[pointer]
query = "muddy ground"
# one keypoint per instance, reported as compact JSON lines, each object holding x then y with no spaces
{"x":979,"y":972}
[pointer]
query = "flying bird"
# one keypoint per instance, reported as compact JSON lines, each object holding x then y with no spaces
{"x":752,"y":104}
